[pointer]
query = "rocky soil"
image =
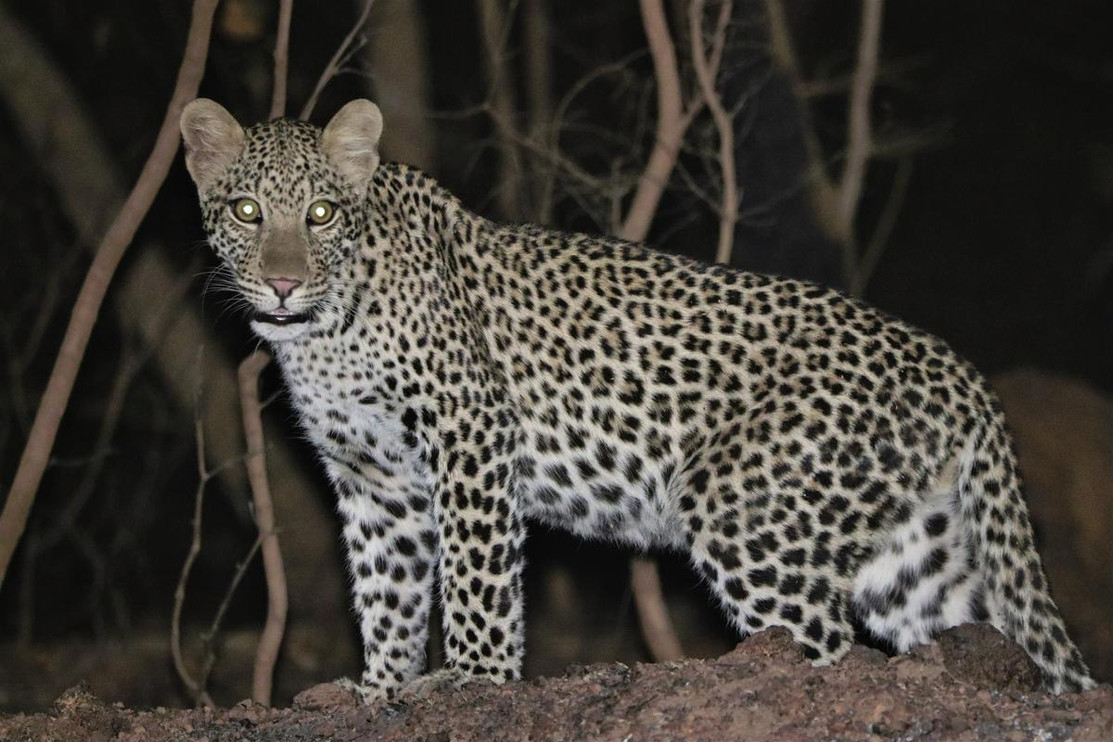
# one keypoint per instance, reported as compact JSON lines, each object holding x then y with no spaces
{"x":972,"y":685}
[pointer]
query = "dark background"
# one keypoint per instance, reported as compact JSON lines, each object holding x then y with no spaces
{"x":1002,"y":247}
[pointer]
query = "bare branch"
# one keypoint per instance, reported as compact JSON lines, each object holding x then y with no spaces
{"x":728,"y":210}
{"x":209,"y":639}
{"x":501,"y":104}
{"x":837,"y":204}
{"x":538,"y":51}
{"x":840,"y":84}
{"x":822,"y":190}
{"x":557,"y":127}
{"x":858,"y":125}
{"x":131,"y":363}
{"x":55,"y":399}
{"x":671,"y":123}
{"x":269,"y":643}
{"x":539,"y":88}
{"x":337,"y":61}
{"x":281,"y":59}
{"x":880,"y":239}
{"x":196,"y":690}
{"x":550,"y":155}
{"x":657,"y":629}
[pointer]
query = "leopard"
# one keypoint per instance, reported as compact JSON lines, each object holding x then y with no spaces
{"x":822,"y":466}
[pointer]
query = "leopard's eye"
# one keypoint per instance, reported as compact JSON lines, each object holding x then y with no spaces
{"x":247,"y":210}
{"x":320,"y":212}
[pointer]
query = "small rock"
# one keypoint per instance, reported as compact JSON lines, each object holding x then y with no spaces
{"x":609,"y":675}
{"x":76,"y":699}
{"x":774,"y":644}
{"x":866,"y":655}
{"x":325,"y":697}
{"x":247,"y":711}
{"x":982,"y":656}
{"x":924,"y":665}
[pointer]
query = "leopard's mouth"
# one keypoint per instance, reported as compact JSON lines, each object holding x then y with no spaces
{"x":283,"y":316}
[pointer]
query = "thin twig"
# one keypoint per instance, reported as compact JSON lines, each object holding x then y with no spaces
{"x":859,"y":139}
{"x":552,"y":156}
{"x":271,"y":641}
{"x":195,"y":687}
{"x":653,"y":615}
{"x":557,"y":126}
{"x":821,"y":189}
{"x":281,"y":59}
{"x":495,"y":28}
{"x":670,"y":124}
{"x":64,"y":525}
{"x":539,"y":88}
{"x":724,"y":125}
{"x":208,"y":642}
{"x":884,"y":229}
{"x":55,"y":399}
{"x":132,"y":361}
{"x":840,"y":84}
{"x":196,"y":690}
{"x":334,"y":64}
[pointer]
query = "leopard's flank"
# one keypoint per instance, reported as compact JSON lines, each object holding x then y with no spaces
{"x":819,"y":463}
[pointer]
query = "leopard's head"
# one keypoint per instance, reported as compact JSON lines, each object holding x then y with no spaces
{"x":283,"y":205}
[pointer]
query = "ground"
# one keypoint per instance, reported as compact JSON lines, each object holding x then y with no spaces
{"x":973,"y":684}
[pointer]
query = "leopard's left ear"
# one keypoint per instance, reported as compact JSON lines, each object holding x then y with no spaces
{"x":351,"y":141}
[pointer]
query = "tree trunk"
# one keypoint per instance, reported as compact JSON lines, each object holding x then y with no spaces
{"x":398,"y":57}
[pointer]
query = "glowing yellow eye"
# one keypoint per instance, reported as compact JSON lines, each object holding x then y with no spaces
{"x":320,"y":212}
{"x":247,"y":210}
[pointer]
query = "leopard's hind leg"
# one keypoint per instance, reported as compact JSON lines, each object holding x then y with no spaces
{"x":766,"y":565}
{"x":922,"y":577}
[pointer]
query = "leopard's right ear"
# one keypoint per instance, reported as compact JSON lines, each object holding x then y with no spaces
{"x":212,"y":139}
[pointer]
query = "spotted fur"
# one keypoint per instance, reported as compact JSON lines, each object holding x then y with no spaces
{"x":817,"y":461}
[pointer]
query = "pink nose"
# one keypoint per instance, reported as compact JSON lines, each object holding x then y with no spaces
{"x":283,"y":286}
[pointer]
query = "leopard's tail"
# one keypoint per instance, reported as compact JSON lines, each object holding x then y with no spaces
{"x":1015,"y":590}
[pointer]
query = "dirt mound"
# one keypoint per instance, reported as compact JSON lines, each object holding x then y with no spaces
{"x":972,"y":684}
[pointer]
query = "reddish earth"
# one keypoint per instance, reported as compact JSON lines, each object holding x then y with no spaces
{"x":973,"y":684}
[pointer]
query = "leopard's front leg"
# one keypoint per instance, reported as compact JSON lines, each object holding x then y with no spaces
{"x":390,"y":539}
{"x":481,"y":561}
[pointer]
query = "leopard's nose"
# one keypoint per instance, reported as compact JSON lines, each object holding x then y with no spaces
{"x":283,"y":286}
